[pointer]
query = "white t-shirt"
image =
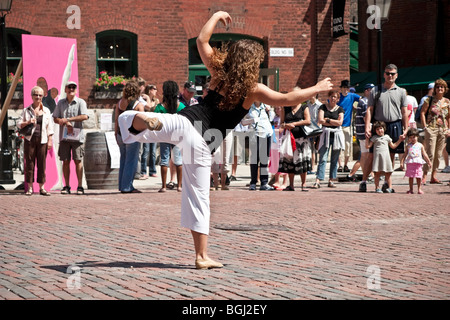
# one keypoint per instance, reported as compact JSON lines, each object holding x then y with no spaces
{"x":412,"y":105}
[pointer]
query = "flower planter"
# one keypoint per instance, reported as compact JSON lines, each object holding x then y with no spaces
{"x":18,"y":93}
{"x":112,"y":92}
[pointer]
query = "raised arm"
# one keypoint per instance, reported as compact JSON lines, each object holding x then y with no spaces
{"x":204,"y":48}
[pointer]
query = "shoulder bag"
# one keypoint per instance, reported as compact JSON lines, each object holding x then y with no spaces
{"x":26,"y":131}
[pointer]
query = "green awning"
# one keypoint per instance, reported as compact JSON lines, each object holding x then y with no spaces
{"x":354,"y":50}
{"x":412,"y":78}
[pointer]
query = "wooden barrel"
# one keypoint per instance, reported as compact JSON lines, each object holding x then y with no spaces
{"x":97,"y":163}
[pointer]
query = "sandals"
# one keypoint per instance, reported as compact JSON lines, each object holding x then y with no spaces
{"x":435,"y":181}
{"x":65,"y":190}
{"x":171,"y":185}
{"x":331,"y":185}
{"x":316,"y":185}
{"x":44,"y":192}
{"x":288,"y":188}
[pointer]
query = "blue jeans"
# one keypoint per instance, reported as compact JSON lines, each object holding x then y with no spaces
{"x":165,"y":150}
{"x":148,"y":149}
{"x":129,"y":156}
{"x":144,"y":157}
{"x":152,"y":160}
{"x":323,"y":158}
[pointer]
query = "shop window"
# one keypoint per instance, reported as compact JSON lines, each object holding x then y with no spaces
{"x":13,"y":48}
{"x":117,"y":53}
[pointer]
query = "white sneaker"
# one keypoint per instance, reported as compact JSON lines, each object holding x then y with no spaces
{"x":446,"y":169}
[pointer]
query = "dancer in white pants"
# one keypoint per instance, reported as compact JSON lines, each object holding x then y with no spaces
{"x":233,"y":88}
{"x":177,"y":129}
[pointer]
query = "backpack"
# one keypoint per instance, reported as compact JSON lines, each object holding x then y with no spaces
{"x":419,"y":110}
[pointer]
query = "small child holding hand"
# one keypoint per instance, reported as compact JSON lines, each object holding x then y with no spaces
{"x":382,"y":163}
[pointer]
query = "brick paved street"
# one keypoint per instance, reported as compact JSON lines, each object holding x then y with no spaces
{"x":321,"y":244}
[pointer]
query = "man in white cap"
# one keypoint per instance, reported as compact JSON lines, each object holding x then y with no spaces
{"x":69,"y":113}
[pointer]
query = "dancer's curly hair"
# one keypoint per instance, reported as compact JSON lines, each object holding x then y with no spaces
{"x":131,"y":91}
{"x":237,"y":68}
{"x":170,"y":96}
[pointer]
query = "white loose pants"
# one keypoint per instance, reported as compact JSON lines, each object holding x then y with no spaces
{"x":178,"y":130}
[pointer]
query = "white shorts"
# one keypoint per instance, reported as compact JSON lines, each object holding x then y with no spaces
{"x":348,"y":141}
{"x":362,"y":146}
{"x":178,"y":130}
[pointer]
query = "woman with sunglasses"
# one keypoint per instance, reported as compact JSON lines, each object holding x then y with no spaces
{"x":202,"y":127}
{"x":38,"y":141}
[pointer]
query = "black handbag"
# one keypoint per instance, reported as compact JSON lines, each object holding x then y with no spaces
{"x":311,"y":130}
{"x":26,"y":131}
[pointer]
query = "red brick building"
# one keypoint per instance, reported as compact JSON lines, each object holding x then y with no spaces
{"x":158,"y":37}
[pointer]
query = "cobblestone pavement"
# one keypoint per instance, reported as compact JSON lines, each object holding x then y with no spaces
{"x":322,"y":244}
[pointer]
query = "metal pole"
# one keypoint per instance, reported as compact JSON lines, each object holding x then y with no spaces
{"x":6,"y":173}
{"x":380,"y":56}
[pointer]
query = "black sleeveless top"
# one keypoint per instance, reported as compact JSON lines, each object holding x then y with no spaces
{"x":207,"y":115}
{"x":297,"y":132}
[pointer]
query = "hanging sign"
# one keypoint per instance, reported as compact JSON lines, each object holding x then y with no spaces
{"x":338,"y":18}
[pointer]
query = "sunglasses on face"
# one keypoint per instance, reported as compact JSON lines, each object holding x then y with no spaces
{"x":37,"y":95}
{"x":72,"y":87}
{"x":391,"y":73}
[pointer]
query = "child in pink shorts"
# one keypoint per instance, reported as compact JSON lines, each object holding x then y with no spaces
{"x":414,"y":159}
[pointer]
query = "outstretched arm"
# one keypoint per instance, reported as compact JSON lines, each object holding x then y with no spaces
{"x":268,"y":96}
{"x":393,"y":145}
{"x":204,"y":48}
{"x":402,"y":160}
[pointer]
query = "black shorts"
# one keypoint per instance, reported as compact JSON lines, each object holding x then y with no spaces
{"x":395,"y":130}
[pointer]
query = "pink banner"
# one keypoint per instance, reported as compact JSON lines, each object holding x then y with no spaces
{"x":50,"y":63}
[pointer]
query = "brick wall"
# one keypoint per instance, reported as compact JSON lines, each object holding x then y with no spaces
{"x":164,"y":27}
